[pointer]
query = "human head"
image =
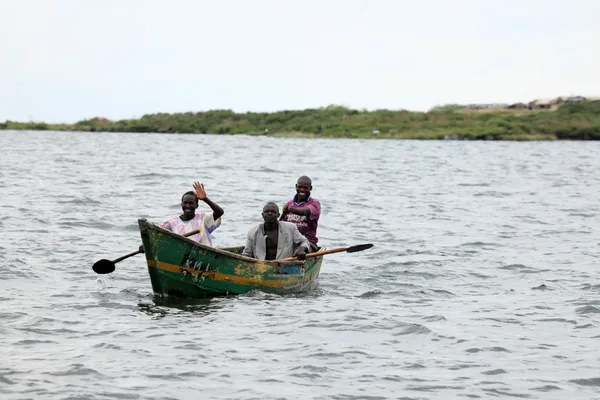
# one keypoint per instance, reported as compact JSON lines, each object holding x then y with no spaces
{"x":270,"y":212}
{"x":189,"y":204}
{"x":303,"y":187}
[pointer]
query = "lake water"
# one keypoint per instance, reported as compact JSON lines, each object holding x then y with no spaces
{"x":483,"y":281}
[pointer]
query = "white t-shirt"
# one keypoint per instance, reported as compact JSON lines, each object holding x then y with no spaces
{"x":202,"y":221}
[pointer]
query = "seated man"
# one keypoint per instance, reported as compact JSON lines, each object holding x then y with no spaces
{"x":189,"y":221}
{"x":304,"y":211}
{"x":275,"y":239}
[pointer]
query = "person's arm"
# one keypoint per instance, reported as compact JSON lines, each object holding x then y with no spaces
{"x":201,"y":195}
{"x":315,"y":209}
{"x":302,"y":243}
{"x":167,"y":225}
{"x":249,"y":247}
{"x":300,"y":253}
{"x":311,"y":210}
{"x":297,"y":210}
{"x":284,"y":212}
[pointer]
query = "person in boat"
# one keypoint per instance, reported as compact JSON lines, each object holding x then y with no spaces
{"x":206,"y":223}
{"x":275,"y":239}
{"x":304,"y":211}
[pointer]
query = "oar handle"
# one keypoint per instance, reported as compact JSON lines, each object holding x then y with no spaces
{"x":316,"y":254}
{"x":351,"y":249}
{"x":192,"y":233}
{"x":127,"y":256}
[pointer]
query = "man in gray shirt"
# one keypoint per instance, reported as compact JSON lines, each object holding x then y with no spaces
{"x":275,"y":239}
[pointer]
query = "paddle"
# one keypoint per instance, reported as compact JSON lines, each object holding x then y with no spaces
{"x":351,"y":249}
{"x":105,"y":266}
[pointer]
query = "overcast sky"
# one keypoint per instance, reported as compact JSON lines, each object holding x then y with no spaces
{"x":66,"y":60}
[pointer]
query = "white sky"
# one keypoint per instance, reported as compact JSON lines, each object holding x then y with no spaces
{"x":66,"y":60}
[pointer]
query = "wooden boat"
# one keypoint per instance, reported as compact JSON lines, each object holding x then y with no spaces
{"x":181,"y":267}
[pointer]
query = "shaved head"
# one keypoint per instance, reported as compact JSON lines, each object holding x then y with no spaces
{"x":304,"y":180}
{"x":270,"y":205}
{"x":303,"y":188}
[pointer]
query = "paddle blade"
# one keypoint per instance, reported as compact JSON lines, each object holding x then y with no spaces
{"x":103,"y":267}
{"x":359,"y":247}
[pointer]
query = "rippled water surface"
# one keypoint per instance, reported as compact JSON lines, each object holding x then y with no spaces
{"x":483,"y":282}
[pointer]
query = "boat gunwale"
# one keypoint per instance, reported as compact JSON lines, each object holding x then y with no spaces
{"x":145,"y":224}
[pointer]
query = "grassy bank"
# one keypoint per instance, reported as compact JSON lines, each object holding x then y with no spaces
{"x":574,"y":121}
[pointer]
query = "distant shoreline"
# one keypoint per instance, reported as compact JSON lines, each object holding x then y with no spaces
{"x":567,"y":121}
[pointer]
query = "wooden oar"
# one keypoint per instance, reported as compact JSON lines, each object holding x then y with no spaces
{"x":105,"y":266}
{"x":351,"y":249}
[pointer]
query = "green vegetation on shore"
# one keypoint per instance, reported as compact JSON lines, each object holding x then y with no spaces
{"x":574,"y":121}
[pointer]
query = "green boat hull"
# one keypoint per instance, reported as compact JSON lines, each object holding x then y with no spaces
{"x":181,"y":267}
